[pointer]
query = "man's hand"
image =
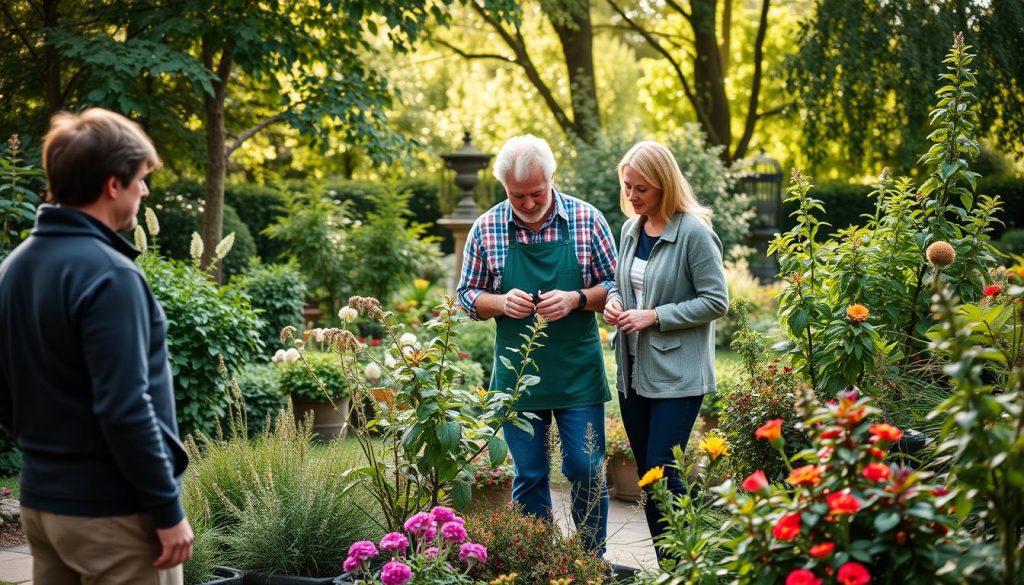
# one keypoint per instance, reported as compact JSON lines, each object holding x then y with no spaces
{"x":556,"y":304}
{"x":611,"y":312}
{"x":635,"y":320}
{"x":517,"y":304}
{"x":176,"y":543}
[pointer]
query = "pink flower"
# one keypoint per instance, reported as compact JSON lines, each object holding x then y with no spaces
{"x":453,"y":532}
{"x":802,"y":577}
{"x":757,"y":482}
{"x":421,"y":524}
{"x":853,"y":573}
{"x":352,"y":565}
{"x":442,"y":514}
{"x":395,"y":573}
{"x":472,"y":553}
{"x":394,"y":542}
{"x":431,"y":553}
{"x":362,"y":550}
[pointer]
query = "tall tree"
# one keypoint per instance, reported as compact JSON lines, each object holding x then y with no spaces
{"x":864,"y":73}
{"x":698,"y":59}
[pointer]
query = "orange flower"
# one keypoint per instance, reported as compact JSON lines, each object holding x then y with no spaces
{"x":806,"y":475}
{"x":770,"y":430}
{"x":886,"y":432}
{"x":843,"y":503}
{"x":756,"y":482}
{"x":822,"y":549}
{"x":876,"y":472}
{"x":857,"y":313}
{"x":788,"y":527}
{"x":652,"y":475}
{"x":853,"y":573}
{"x":877,"y":453}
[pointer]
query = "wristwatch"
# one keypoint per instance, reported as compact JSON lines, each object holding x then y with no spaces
{"x":583,"y":300}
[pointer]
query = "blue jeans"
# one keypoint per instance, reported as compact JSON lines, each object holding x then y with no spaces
{"x":582,"y":464}
{"x":654,"y":426}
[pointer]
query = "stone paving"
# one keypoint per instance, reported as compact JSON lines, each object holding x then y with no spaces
{"x":629,"y":541}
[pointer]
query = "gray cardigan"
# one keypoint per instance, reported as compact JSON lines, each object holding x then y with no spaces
{"x":684,"y":283}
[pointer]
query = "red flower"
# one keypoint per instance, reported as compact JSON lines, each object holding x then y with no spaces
{"x":876,"y":472}
{"x":374,"y":342}
{"x":831,"y":433}
{"x":756,"y":482}
{"x":877,"y":453}
{"x":843,"y":503}
{"x":802,"y":577}
{"x":463,"y":355}
{"x":886,"y":432}
{"x":806,"y":475}
{"x":992,"y":290}
{"x":770,"y":430}
{"x":788,"y":527}
{"x":853,"y":573}
{"x":821,"y":549}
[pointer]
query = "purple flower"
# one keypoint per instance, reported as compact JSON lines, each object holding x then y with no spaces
{"x":420,"y":525}
{"x":442,"y":514}
{"x":394,"y":542}
{"x":352,"y":565}
{"x":362,"y":550}
{"x":431,"y":553}
{"x":395,"y":573}
{"x":472,"y":553}
{"x":453,"y":532}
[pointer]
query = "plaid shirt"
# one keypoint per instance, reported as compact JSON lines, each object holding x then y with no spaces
{"x":487,"y":246}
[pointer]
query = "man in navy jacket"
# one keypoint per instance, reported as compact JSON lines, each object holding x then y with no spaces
{"x":85,"y":384}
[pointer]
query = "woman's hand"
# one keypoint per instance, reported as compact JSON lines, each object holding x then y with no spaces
{"x":635,"y":320}
{"x":612,"y":311}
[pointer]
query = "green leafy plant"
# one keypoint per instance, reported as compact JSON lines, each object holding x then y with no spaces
{"x":18,"y":198}
{"x":319,"y":376}
{"x":257,"y":384}
{"x":616,"y":441}
{"x":278,"y":293}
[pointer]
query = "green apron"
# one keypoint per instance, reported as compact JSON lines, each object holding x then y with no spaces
{"x":570,"y":363}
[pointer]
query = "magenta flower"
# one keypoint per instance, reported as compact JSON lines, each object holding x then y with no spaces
{"x":420,"y":525}
{"x":472,"y":553}
{"x":394,"y":542}
{"x":442,"y":514}
{"x":352,"y":565}
{"x":431,"y":553}
{"x":395,"y":573}
{"x":453,"y":532}
{"x":362,"y":550}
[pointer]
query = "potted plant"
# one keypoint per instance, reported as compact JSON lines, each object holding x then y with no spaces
{"x":492,"y":486}
{"x":622,"y":471}
{"x":327,"y":396}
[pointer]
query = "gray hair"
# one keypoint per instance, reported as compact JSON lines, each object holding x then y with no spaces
{"x":522,"y":155}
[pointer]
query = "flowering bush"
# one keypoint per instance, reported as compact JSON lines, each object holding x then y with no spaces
{"x":848,"y":516}
{"x":433,"y":549}
{"x":616,"y":441}
{"x":485,"y":476}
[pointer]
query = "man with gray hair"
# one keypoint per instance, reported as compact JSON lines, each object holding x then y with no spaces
{"x":542,"y":252}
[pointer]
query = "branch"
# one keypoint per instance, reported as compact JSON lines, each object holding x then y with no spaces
{"x":675,"y":6}
{"x":466,"y":55}
{"x":20,"y":32}
{"x":250,"y":132}
{"x":755,"y":90}
{"x":71,"y":83}
{"x":653,"y":42}
{"x":772,"y":112}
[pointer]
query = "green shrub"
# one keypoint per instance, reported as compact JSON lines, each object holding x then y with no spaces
{"x":472,"y":373}
{"x":206,"y":551}
{"x":533,"y":548}
{"x":204,"y":322}
{"x":278,"y":293}
{"x":477,"y":339}
{"x":257,"y":382}
{"x":295,"y":380}
{"x":258,"y":206}
{"x":1011,"y":242}
{"x":179,"y":207}
{"x":10,"y":457}
{"x":425,"y":207}
{"x":359,"y":195}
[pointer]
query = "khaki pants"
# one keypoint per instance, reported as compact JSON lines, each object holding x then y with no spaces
{"x":108,"y":550}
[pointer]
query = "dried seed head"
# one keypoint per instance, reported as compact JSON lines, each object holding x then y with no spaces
{"x":286,"y":333}
{"x":940,"y":254}
{"x":367,"y":306}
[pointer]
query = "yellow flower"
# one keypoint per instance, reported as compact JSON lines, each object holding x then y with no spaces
{"x":715,"y":447}
{"x":421,"y":284}
{"x":857,"y":313}
{"x":481,"y":392}
{"x":653,"y":474}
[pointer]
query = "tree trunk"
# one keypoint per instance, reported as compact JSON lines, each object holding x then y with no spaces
{"x":576,"y":34}
{"x":708,"y":75}
{"x":51,"y":59}
{"x":213,"y":105}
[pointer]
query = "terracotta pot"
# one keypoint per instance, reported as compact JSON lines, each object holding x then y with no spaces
{"x":328,"y":421}
{"x":623,"y":472}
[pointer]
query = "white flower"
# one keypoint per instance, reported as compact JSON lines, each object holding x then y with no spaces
{"x":372,"y":371}
{"x":348,"y":314}
{"x":196,"y":249}
{"x":319,"y":334}
{"x":279,"y":356}
{"x":225,"y":246}
{"x":291,"y":356}
{"x":151,"y":222}
{"x":140,"y":239}
{"x":390,"y":361}
{"x":407,"y":339}
{"x":408,"y":350}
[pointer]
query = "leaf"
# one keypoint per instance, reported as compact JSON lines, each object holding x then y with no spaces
{"x":886,"y":521}
{"x":449,"y":434}
{"x":497,"y":450}
{"x":462,"y":494}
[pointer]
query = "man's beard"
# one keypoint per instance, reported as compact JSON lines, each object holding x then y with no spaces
{"x":537,"y":216}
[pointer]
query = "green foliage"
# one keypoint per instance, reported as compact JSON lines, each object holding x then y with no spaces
{"x":206,"y":550}
{"x":477,"y":339}
{"x":1011,"y":242}
{"x":761,"y":315}
{"x":881,"y":519}
{"x":862,"y":74}
{"x":257,"y":384}
{"x":204,"y":322}
{"x":615,"y":439}
{"x":19,"y":184}
{"x":258,"y":206}
{"x":10,"y":457}
{"x":591,"y":175}
{"x":179,"y":207}
{"x":278,"y":294}
{"x":532,"y":548}
{"x":984,"y":417}
{"x":425,"y":208}
{"x":318,"y":376}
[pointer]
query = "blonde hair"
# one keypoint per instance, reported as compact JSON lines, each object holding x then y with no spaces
{"x":83,"y":150}
{"x":658,"y":167}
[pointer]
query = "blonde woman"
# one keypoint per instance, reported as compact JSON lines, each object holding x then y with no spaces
{"x":669,"y":289}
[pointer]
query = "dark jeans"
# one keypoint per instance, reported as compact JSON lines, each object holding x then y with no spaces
{"x":654,"y":426}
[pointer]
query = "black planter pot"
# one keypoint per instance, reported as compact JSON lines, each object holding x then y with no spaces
{"x":229,"y":576}
{"x":905,"y":449}
{"x":225,"y":576}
